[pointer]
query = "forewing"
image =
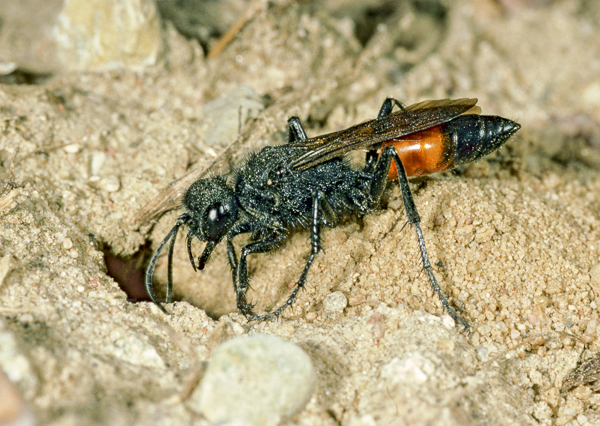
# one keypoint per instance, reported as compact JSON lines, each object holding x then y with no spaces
{"x":369,"y":134}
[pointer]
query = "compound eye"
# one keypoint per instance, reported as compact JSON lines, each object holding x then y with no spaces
{"x":217,"y":219}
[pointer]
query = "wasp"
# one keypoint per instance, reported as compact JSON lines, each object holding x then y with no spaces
{"x":308,"y":183}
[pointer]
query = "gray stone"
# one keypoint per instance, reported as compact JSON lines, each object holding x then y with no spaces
{"x":255,"y":380}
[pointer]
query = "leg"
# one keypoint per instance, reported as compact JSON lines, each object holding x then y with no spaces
{"x":231,"y":256}
{"x":320,"y":204}
{"x":189,"y":249}
{"x":233,"y":263}
{"x":296,"y":131}
{"x":171,"y":236}
{"x":241,"y":277}
{"x":169,"y":293}
{"x":386,"y":109}
{"x":371,"y":161}
{"x":388,"y":105}
{"x":379,"y":180}
{"x":210,"y":245}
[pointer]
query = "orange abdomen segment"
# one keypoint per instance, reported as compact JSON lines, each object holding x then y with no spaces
{"x":422,"y":153}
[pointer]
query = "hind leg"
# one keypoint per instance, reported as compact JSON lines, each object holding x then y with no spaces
{"x":386,"y":109}
{"x":380,"y":177}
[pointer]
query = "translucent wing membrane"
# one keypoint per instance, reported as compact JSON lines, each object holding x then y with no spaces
{"x":370,"y":134}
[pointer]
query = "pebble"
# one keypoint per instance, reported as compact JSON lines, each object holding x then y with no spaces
{"x":97,"y":36}
{"x":413,"y":369}
{"x":96,"y":163}
{"x":67,"y":243}
{"x":482,"y":353}
{"x":335,"y":302}
{"x":254,"y":380}
{"x":72,"y":148}
{"x":110,"y":183}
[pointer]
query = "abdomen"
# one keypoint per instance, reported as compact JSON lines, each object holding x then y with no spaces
{"x":465,"y":139}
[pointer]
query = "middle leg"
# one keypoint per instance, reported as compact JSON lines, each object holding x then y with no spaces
{"x":322,"y":212}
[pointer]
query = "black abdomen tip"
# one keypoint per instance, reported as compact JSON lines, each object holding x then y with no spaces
{"x":476,"y":136}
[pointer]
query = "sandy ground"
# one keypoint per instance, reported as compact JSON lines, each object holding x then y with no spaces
{"x":515,"y":238}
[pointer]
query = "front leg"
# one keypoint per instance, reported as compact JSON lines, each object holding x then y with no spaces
{"x":231,"y":256}
{"x":184,"y":219}
{"x":241,"y":278}
{"x":380,"y":174}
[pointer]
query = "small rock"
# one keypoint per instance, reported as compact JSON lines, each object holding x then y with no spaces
{"x":72,"y":148}
{"x":413,"y":369}
{"x":103,"y":35}
{"x":255,"y":380}
{"x":482,"y":353}
{"x":335,"y":302}
{"x":96,"y":163}
{"x":110,"y":183}
{"x":67,"y":244}
{"x":448,"y":322}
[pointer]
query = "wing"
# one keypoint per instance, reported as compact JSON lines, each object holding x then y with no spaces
{"x":172,"y":196}
{"x":369,"y":134}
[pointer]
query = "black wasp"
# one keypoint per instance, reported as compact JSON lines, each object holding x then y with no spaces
{"x":307,"y":183}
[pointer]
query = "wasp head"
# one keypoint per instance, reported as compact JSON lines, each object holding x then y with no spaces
{"x":213,"y":210}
